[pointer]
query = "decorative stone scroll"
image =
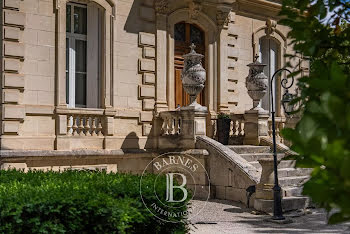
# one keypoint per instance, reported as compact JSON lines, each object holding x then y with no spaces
{"x":195,"y":7}
{"x":161,"y":7}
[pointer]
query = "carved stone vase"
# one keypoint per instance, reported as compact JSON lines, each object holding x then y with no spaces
{"x":257,"y":83}
{"x":193,"y":77}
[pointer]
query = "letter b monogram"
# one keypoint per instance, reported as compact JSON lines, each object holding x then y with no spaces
{"x":170,"y":187}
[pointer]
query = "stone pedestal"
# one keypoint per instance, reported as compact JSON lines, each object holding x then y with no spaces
{"x":256,"y":126}
{"x":264,"y":190}
{"x":193,"y":124}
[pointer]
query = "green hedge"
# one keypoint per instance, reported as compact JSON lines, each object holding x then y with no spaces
{"x":79,"y":201}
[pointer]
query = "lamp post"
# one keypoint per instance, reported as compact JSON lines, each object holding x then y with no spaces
{"x":286,"y":99}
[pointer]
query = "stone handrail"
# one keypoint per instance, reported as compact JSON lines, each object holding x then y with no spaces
{"x":214,"y":147}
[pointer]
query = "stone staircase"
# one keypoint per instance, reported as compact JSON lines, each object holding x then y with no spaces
{"x":291,"y":179}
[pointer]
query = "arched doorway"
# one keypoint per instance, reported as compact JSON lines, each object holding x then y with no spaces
{"x":184,"y":35}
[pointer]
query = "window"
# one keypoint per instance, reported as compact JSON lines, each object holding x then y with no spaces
{"x":269,"y":53}
{"x":83,"y":53}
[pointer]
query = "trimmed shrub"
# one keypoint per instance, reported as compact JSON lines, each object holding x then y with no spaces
{"x":80,"y":201}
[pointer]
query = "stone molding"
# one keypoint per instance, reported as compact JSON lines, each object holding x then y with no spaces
{"x":195,"y":7}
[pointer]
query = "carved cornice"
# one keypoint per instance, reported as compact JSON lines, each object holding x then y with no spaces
{"x":161,"y":7}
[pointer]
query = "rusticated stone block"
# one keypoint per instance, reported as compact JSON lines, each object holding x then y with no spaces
{"x":13,"y":81}
{"x":149,"y":52}
{"x":149,"y":78}
{"x":14,"y":18}
{"x":147,"y":39}
{"x":146,"y":116}
{"x":10,"y":127}
{"x":13,"y":49}
{"x":146,"y":129}
{"x":11,"y":4}
{"x":147,"y":65}
{"x":148,"y":104}
{"x":13,"y":112}
{"x":233,"y":52}
{"x":12,"y":65}
{"x":146,"y":91}
{"x":11,"y":33}
{"x":10,"y":96}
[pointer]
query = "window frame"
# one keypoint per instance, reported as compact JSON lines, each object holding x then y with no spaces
{"x":72,"y":38}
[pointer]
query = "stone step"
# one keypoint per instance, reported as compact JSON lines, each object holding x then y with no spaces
{"x":248,"y":149}
{"x":293,"y":180}
{"x":288,"y":204}
{"x":256,"y":156}
{"x":292,"y":191}
{"x":287,"y":172}
{"x":282,"y":164}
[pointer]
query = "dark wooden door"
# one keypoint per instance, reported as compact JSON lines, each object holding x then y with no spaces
{"x":185,"y":35}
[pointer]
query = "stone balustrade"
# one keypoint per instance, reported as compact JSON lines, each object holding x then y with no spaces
{"x":178,"y":129}
{"x":236,"y":129}
{"x":280,"y":123}
{"x":172,"y":122}
{"x":85,"y":128}
{"x":84,"y":125}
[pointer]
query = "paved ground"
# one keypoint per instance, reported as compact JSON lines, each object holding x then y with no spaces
{"x":229,"y":217}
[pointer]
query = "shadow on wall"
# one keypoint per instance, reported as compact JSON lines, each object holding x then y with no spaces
{"x":134,"y":23}
{"x":131,"y":141}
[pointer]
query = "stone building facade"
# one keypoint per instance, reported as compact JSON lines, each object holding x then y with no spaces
{"x":116,"y":63}
{"x":97,"y":84}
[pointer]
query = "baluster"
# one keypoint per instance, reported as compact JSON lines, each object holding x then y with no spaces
{"x":176,"y":120}
{"x":179,"y":125}
{"x":232,"y":125}
{"x":170,"y":124}
{"x":282,"y":127}
{"x":165,"y":127}
{"x":241,"y":128}
{"x":75,"y":125}
{"x":270,"y":129}
{"x":87,"y":126}
{"x":93,"y":126}
{"x":278,"y":137}
{"x":99,"y":127}
{"x":69,"y":125}
{"x":81,"y":126}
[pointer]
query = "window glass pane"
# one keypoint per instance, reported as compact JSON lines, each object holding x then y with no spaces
{"x":197,"y":36}
{"x":80,"y":53}
{"x":67,"y":70}
{"x":80,"y":89}
{"x":68,"y":18}
{"x":180,"y":32}
{"x":80,"y":20}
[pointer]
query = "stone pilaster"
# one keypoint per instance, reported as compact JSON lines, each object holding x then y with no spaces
{"x":161,"y":7}
{"x":12,"y":57}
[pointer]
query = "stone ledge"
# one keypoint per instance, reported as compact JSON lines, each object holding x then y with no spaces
{"x":120,"y":152}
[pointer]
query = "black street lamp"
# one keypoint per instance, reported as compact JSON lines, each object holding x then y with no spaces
{"x":288,"y":108}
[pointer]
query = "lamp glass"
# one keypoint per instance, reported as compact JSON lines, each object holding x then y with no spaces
{"x":286,"y":103}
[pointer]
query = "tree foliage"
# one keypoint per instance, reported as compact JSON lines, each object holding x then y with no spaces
{"x":320,"y":31}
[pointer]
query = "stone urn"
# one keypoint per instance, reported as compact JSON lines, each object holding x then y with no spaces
{"x":257,"y":83}
{"x":193,"y":77}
